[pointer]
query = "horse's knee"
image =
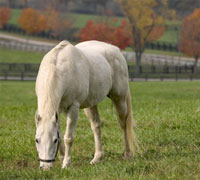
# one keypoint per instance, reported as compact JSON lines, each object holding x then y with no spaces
{"x":96,"y":126}
{"x":68,"y":141}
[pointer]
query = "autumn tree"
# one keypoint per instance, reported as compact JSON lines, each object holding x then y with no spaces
{"x":106,"y":32}
{"x":190,"y":35}
{"x":146,"y":23}
{"x":32,"y":21}
{"x":4,"y":16}
{"x":57,"y":24}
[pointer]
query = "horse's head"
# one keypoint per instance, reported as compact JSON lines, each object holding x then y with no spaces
{"x":47,"y":139}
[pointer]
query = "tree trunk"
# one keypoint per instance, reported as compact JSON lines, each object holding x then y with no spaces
{"x":195,"y":63}
{"x":138,"y":57}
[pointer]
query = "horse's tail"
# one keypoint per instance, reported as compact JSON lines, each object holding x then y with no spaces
{"x":61,"y":45}
{"x":130,"y":125}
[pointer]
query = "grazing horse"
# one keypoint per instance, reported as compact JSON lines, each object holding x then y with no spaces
{"x":79,"y":77}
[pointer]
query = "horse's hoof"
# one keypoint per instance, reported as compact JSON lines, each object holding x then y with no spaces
{"x":128,"y":155}
{"x":61,"y":158}
{"x":66,"y":163}
{"x":97,"y":158}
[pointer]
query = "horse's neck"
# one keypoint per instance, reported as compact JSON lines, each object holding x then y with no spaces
{"x":49,"y":91}
{"x":48,"y":104}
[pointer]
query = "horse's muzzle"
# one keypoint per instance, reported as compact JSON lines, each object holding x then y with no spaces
{"x":46,"y":166}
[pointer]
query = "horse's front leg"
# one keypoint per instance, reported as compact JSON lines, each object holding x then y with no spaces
{"x":93,"y":116}
{"x":61,"y":149}
{"x":69,"y":134}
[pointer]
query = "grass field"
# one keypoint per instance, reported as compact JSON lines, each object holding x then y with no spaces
{"x":167,"y":115}
{"x":16,"y":56}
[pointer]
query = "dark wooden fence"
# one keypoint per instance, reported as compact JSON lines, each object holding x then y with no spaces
{"x":26,"y":71}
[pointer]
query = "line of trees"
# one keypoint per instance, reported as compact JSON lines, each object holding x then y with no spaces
{"x":4,"y":16}
{"x":34,"y":21}
{"x":143,"y":26}
{"x":182,"y":7}
{"x":190,"y":36}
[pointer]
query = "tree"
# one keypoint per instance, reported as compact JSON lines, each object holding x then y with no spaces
{"x":4,"y":16}
{"x":58,"y":25}
{"x":106,"y":32}
{"x":146,"y":23}
{"x":190,"y":36}
{"x":32,"y":21}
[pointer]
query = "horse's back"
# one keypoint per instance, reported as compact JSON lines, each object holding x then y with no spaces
{"x":115,"y":60}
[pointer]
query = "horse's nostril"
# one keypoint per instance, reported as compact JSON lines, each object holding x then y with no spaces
{"x":45,"y":167}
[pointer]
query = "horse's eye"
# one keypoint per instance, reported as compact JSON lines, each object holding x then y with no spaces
{"x":55,"y":141}
{"x":36,"y":140}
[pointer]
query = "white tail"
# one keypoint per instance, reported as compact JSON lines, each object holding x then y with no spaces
{"x":130,"y":125}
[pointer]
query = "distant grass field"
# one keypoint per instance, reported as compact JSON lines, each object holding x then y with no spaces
{"x":17,"y":56}
{"x":79,"y":20}
{"x":167,"y":115}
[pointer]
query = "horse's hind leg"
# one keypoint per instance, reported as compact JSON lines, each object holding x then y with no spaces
{"x":122,"y":110}
{"x":93,"y":116}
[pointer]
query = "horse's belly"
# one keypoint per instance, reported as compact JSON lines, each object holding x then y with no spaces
{"x":100,"y":84}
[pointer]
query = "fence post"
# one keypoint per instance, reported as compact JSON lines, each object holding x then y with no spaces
{"x":22,"y":76}
{"x":153,"y":69}
{"x":176,"y":75}
{"x":140,"y":69}
{"x":161,"y":77}
{"x":191,"y":76}
{"x":146,"y":77}
{"x":5,"y":75}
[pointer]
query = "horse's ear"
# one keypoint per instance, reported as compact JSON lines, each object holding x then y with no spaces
{"x":38,"y":118}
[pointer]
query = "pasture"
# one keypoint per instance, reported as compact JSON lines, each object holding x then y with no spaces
{"x":18,"y":56}
{"x":167,"y":115}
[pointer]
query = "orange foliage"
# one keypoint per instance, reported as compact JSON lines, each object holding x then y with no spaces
{"x":155,"y":33}
{"x":52,"y":20}
{"x":4,"y":16}
{"x":120,"y":36}
{"x":106,"y":32}
{"x":32,"y":21}
{"x":190,"y":35}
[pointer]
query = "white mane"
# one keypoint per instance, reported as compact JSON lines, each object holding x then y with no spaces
{"x":49,"y":89}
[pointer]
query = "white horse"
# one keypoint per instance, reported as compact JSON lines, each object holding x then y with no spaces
{"x":73,"y":77}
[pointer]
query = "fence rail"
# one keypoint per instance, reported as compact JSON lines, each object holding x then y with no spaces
{"x":27,"y":71}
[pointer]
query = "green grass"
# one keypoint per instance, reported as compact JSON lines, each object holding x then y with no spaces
{"x":15,"y":14}
{"x":167,"y":115}
{"x":17,"y":56}
{"x":169,"y":36}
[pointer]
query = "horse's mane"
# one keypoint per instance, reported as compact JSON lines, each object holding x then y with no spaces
{"x":52,"y":89}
